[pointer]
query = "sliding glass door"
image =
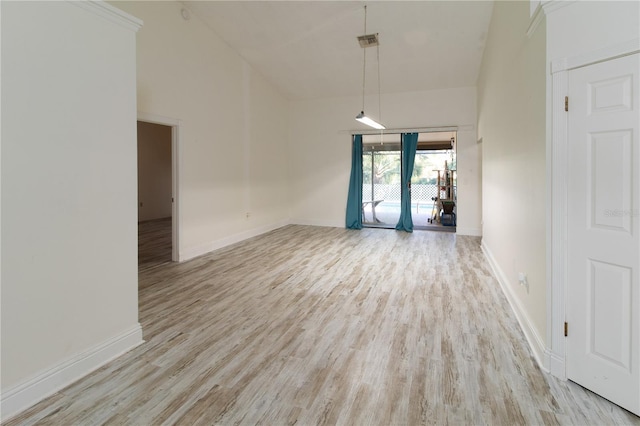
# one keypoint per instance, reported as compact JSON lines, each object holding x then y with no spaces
{"x":434,"y":182}
{"x":433,"y":191}
{"x":381,"y":166}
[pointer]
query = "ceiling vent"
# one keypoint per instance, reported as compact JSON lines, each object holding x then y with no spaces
{"x":368,"y":40}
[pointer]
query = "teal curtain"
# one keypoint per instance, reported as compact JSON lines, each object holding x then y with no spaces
{"x":354,"y":200}
{"x":409,"y":147}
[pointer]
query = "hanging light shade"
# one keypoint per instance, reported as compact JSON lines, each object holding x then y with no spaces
{"x":369,"y":40}
{"x":369,"y":121}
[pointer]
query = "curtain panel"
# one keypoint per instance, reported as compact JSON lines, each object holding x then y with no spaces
{"x":409,"y":147}
{"x":354,"y":199}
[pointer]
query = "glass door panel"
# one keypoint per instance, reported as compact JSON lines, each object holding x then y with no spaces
{"x":381,"y":184}
{"x":433,"y":183}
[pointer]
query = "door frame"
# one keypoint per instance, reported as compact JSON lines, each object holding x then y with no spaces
{"x":558,"y":197}
{"x":175,"y":125}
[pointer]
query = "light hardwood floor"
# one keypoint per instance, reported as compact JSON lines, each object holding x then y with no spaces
{"x":154,"y":243}
{"x":309,"y":325}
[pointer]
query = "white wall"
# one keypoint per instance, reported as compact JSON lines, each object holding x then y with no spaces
{"x":233,"y":135}
{"x":69,"y":271}
{"x":511,"y":123}
{"x":586,"y":26}
{"x":320,"y":149}
{"x":154,"y":171}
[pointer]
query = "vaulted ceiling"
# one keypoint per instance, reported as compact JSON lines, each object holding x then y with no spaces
{"x":309,"y":49}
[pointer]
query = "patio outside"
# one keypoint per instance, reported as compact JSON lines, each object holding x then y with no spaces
{"x":381,"y":189}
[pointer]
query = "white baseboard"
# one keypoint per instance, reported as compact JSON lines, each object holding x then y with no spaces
{"x":26,"y":394}
{"x":325,"y":223}
{"x":473,"y":232}
{"x":533,"y":338}
{"x":199,"y":250}
{"x":556,"y":366}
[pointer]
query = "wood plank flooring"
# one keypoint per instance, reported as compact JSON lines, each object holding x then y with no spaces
{"x":309,"y":325}
{"x":154,"y":243}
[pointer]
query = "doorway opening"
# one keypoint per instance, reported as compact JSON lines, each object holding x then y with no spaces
{"x":157,"y":191}
{"x":433,"y":182}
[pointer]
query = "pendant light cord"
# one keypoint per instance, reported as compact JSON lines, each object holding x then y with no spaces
{"x":364,"y":62}
{"x":379,"y":97}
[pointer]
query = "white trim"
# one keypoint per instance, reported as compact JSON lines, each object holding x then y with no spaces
{"x":550,"y":6}
{"x":1,"y":327}
{"x":536,"y":18}
{"x":246,"y":138}
{"x":544,"y":8}
{"x":556,"y":365}
{"x":557,"y":210}
{"x":608,"y":53}
{"x":533,"y":338}
{"x":473,"y":232}
{"x":324,"y":223}
{"x":534,"y":5}
{"x":176,"y":211}
{"x":410,"y":130}
{"x":202,"y":249}
{"x":109,"y":13}
{"x":158,"y":119}
{"x":557,"y":175}
{"x":26,"y":394}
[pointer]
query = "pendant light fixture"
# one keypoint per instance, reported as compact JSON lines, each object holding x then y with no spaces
{"x":369,"y":40}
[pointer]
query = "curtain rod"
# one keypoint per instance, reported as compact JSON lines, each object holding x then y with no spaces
{"x":403,"y":130}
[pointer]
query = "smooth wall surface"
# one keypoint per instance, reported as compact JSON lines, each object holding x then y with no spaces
{"x":154,"y":171}
{"x":511,"y":123}
{"x":69,"y":270}
{"x":581,"y":27}
{"x":233,"y":171}
{"x":320,"y":149}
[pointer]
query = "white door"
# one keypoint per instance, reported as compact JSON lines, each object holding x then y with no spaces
{"x":602,"y":346}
